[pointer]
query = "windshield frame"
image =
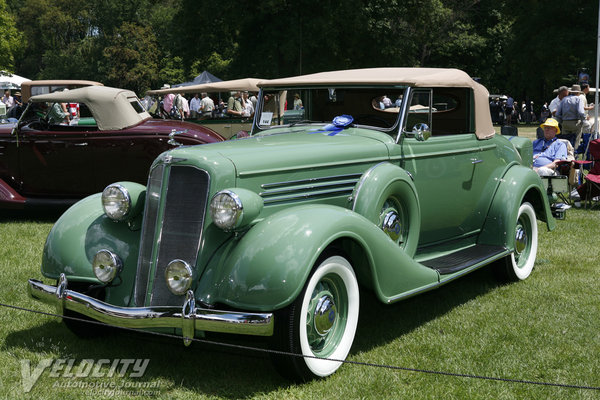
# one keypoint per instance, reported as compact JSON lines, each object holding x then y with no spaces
{"x":258,"y":128}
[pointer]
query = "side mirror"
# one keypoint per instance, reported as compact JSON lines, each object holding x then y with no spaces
{"x":420,"y":131}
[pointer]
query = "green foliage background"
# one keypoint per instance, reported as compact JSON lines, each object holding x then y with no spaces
{"x":522,"y":47}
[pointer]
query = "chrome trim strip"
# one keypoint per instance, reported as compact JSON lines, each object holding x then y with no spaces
{"x":188,"y":318}
{"x":312,"y":180}
{"x":345,"y":191}
{"x":323,"y":186}
{"x":246,"y":174}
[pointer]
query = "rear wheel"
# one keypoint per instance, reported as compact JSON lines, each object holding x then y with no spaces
{"x":320,"y":323}
{"x":519,"y":264}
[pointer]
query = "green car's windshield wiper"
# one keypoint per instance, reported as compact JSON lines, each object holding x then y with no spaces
{"x":305,"y":121}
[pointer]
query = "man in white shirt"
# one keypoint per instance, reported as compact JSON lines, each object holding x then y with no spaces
{"x":195,"y":106}
{"x":8,"y":100}
{"x":585,"y":89}
{"x":563,"y":91}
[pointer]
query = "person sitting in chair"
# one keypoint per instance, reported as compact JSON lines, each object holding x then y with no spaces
{"x":547,"y":151}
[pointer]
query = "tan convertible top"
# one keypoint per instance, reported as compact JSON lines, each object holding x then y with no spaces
{"x":415,"y":77}
{"x":249,"y":84}
{"x":110,"y":107}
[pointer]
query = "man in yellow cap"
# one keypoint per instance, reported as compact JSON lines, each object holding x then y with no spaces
{"x":548,"y":150}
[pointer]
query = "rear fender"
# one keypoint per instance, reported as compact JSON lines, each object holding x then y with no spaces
{"x":266,"y":268}
{"x":519,"y":184}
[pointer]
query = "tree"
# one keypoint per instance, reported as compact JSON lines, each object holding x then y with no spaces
{"x":10,"y":38}
{"x":205,"y":37}
{"x":130,"y":58}
{"x":550,"y":43}
{"x":54,"y":30}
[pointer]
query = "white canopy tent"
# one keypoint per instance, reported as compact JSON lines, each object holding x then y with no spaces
{"x":11,"y":81}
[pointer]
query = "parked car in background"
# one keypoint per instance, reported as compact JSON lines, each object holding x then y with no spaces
{"x":111,"y":137}
{"x":271,"y":235}
{"x":219,"y":121}
{"x":34,"y":88}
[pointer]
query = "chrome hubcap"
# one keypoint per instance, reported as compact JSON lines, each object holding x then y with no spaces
{"x":325,"y":314}
{"x":392,"y":226}
{"x":520,"y":240}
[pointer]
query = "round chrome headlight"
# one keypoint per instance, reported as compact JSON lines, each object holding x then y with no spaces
{"x":116,"y":202}
{"x":226,"y":209}
{"x":106,"y":266}
{"x":179,"y":276}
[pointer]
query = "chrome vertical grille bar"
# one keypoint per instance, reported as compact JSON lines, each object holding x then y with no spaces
{"x":145,"y":264}
{"x":172,"y":229}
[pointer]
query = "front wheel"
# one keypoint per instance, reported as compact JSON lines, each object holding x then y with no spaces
{"x":320,"y":323}
{"x":519,"y":264}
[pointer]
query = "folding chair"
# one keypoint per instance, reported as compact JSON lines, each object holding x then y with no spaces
{"x":558,"y":186}
{"x":590,"y":189}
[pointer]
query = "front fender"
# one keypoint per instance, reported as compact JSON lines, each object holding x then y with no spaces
{"x":75,"y":238}
{"x":9,"y":198}
{"x":518,"y":185}
{"x":266,"y":269}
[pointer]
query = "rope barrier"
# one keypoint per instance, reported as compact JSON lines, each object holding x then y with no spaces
{"x":359,"y":363}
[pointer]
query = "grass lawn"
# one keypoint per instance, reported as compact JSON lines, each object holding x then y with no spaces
{"x":528,"y":131}
{"x":542,"y":329}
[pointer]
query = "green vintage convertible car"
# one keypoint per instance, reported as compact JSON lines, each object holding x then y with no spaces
{"x":392,"y":179}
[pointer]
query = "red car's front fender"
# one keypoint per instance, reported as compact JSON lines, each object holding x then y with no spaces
{"x":8,"y":196}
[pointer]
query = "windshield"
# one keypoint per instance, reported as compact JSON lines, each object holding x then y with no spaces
{"x":374,"y":107}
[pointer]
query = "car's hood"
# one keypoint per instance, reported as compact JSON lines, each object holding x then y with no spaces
{"x":304,"y":148}
{"x":166,"y":126}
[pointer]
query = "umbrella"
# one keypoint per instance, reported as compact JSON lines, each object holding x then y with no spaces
{"x":204,"y":77}
{"x":11,"y":81}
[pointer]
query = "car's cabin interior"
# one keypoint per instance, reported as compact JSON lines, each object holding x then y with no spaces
{"x":36,"y":117}
{"x":451,"y":108}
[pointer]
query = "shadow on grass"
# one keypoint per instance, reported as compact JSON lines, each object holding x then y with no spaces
{"x":381,"y":323}
{"x":205,"y":368}
{"x":44,"y":215}
{"x":214,"y":370}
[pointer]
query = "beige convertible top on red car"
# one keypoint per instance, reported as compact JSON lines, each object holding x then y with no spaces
{"x":112,"y":108}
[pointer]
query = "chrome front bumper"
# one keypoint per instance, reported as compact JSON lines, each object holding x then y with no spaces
{"x":187,"y":318}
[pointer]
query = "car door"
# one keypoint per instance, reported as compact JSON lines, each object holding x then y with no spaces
{"x":54,"y":161}
{"x":451,"y":169}
{"x":125,"y":155}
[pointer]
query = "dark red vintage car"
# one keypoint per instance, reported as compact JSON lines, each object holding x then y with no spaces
{"x":49,"y":158}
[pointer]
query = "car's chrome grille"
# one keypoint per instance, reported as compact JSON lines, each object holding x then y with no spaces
{"x":176,"y":235}
{"x":279,"y":192}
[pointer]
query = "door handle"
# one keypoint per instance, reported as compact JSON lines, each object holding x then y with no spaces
{"x":81,"y":144}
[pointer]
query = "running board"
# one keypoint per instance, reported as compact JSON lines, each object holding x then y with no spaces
{"x":463,"y":259}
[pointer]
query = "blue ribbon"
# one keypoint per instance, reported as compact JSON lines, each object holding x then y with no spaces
{"x":337,"y":125}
